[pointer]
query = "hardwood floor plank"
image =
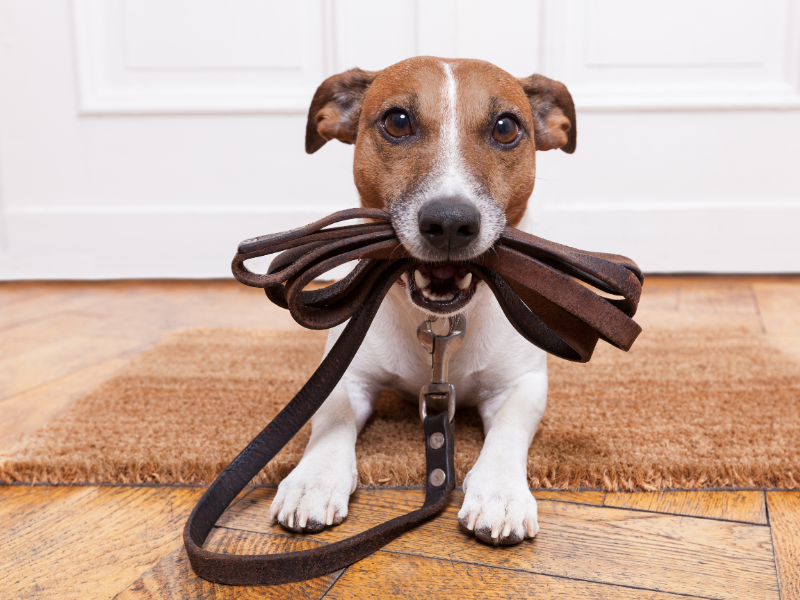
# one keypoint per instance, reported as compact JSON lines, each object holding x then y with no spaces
{"x":85,"y":542}
{"x":745,"y":506}
{"x":22,"y":501}
{"x":35,"y":303}
{"x":55,"y":360}
{"x":659,"y":296}
{"x":29,"y":336}
{"x":27,"y":411}
{"x":413,"y":577}
{"x":668,"y":553}
{"x":779,"y":304}
{"x":173,"y":579}
{"x":784,"y":516}
{"x":730,"y":299}
{"x":173,"y":304}
{"x":720,"y":279}
{"x":588,"y":497}
{"x":694,"y":321}
{"x":163,"y":304}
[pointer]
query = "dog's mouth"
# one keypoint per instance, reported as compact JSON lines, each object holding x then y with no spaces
{"x":441,"y":287}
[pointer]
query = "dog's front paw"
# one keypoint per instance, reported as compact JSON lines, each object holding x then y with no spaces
{"x":497,"y":511}
{"x":315,"y":494}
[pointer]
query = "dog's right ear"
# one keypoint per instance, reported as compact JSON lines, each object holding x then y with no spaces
{"x":336,"y":108}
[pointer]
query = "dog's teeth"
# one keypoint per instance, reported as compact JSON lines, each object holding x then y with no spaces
{"x":465,"y":282}
{"x":426,"y":293}
{"x":420,"y":280}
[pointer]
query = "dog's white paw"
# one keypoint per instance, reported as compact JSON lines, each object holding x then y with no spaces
{"x":315,"y":494}
{"x":496,"y":510}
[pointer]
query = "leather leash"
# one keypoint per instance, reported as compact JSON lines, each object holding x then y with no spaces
{"x":537,"y":285}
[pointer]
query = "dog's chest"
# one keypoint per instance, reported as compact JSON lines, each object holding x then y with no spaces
{"x":491,"y":358}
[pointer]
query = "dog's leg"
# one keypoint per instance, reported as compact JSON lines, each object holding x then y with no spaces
{"x":498,"y":506}
{"x":317,"y":491}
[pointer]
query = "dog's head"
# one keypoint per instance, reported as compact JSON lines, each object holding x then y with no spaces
{"x":449,"y":148}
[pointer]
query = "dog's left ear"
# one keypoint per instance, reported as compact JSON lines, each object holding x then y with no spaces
{"x":336,"y":108}
{"x":553,"y":113}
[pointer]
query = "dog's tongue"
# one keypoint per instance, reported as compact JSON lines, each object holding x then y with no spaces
{"x":444,"y":271}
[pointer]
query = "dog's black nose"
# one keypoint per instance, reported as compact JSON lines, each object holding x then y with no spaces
{"x":449,"y":224}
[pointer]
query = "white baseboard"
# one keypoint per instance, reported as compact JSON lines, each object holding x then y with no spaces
{"x":156,"y":243}
{"x":735,"y":237}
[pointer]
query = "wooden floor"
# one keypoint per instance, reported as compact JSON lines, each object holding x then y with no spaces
{"x":60,"y":340}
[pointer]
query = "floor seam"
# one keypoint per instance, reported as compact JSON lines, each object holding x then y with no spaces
{"x":656,"y":512}
{"x":334,"y":582}
{"x":758,"y":308}
{"x":774,"y":554}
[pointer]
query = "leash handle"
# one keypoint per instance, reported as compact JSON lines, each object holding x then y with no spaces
{"x":534,"y":282}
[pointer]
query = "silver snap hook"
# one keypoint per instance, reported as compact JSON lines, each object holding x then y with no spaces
{"x":440,"y":347}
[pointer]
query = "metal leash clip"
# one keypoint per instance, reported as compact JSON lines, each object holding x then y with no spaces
{"x":440,"y":347}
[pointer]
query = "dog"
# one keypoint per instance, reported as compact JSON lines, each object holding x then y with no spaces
{"x":449,"y":148}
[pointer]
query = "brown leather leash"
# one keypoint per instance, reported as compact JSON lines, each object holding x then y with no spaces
{"x":537,"y":284}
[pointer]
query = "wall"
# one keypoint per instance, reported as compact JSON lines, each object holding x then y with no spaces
{"x":145,"y":138}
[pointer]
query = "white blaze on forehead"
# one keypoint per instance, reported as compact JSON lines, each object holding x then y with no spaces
{"x":450,"y":121}
{"x":452,"y":174}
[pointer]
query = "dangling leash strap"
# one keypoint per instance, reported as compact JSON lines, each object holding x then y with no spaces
{"x":537,"y":285}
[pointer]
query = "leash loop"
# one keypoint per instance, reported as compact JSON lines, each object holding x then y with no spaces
{"x":537,"y":284}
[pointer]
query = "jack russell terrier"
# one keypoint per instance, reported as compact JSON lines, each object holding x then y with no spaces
{"x":449,"y":147}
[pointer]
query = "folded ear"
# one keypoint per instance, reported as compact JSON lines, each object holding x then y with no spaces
{"x":336,"y":108}
{"x":553,"y":113}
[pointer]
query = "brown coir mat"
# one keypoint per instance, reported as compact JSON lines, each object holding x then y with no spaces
{"x":681,"y":410}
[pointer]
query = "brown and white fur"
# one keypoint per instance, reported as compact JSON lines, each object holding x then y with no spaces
{"x":452,"y":160}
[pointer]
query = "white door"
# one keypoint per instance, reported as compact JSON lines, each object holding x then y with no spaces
{"x":146,"y":138}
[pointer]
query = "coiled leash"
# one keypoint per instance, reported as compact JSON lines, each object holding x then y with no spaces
{"x":537,"y":284}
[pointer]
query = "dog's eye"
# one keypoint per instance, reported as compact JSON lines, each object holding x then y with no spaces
{"x":505,"y":130}
{"x":397,"y":124}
